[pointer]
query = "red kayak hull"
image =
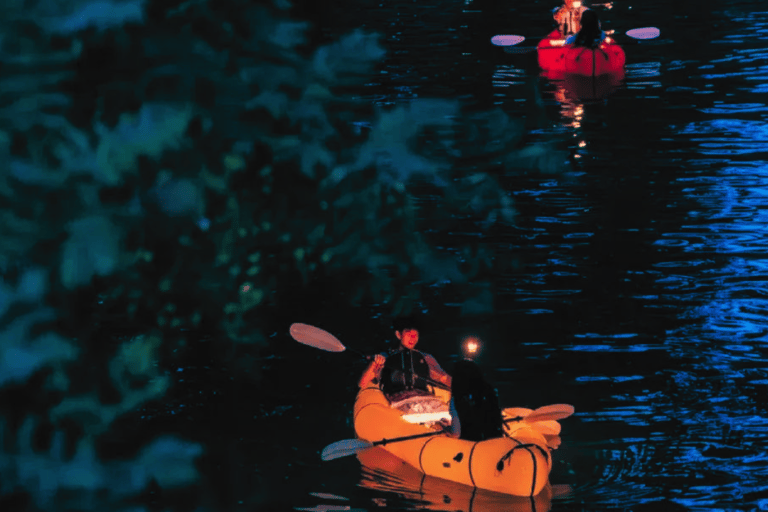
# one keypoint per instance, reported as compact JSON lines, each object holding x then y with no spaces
{"x":558,"y":60}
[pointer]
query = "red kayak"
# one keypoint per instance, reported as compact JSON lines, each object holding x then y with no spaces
{"x":558,"y":59}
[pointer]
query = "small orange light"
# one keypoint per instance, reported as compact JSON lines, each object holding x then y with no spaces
{"x":471,"y":346}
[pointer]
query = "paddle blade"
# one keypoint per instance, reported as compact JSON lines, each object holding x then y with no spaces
{"x":344,"y":448}
{"x":550,"y":412}
{"x":507,"y":40}
{"x":316,"y":337}
{"x":547,"y":428}
{"x":644,"y":33}
{"x":545,"y":413}
{"x":553,"y":441}
{"x":513,"y":414}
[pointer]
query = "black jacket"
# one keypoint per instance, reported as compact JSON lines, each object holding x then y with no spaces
{"x":404,"y":370}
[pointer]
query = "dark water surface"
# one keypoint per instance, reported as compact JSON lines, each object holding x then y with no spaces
{"x":639,"y":290}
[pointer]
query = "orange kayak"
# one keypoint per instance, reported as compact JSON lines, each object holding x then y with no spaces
{"x":382,"y":471}
{"x":517,"y":464}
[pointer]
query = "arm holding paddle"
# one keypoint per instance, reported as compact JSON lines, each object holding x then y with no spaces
{"x":407,"y":368}
{"x":436,"y":373}
{"x":373,"y":372}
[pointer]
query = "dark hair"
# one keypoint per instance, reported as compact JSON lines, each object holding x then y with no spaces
{"x":467,"y":378}
{"x":476,"y":403}
{"x":403,"y":323}
{"x":590,"y":34}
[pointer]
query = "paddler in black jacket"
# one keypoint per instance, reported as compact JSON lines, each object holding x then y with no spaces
{"x":403,"y":372}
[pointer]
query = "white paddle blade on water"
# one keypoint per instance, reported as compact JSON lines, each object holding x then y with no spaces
{"x":316,"y":337}
{"x":544,"y":413}
{"x":550,"y":412}
{"x":644,"y":33}
{"x":343,"y":448}
{"x":507,"y":40}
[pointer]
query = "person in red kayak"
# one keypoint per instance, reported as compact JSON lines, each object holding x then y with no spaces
{"x":404,"y":372}
{"x":568,"y":16}
{"x":590,"y":35}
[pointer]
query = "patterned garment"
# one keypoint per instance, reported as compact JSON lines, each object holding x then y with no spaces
{"x":420,"y":404}
{"x":569,"y":20}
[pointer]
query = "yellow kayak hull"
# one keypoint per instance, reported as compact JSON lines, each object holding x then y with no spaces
{"x":518,"y":464}
{"x":382,"y":471}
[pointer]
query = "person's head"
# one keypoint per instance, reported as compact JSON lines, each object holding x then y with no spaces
{"x":574,"y":4}
{"x":467,"y":379}
{"x":590,"y":29}
{"x":589,"y":20}
{"x":407,"y":331}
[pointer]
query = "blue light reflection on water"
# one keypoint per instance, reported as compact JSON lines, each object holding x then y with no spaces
{"x":737,"y":210}
{"x":718,"y":273}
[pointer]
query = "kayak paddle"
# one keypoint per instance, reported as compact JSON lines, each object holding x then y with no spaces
{"x":636,"y":33}
{"x":353,"y":446}
{"x":644,"y":33}
{"x":544,"y":413}
{"x":318,"y":338}
{"x":546,"y":427}
{"x":507,"y":40}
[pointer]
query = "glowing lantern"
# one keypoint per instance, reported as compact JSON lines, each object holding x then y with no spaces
{"x":471,"y":347}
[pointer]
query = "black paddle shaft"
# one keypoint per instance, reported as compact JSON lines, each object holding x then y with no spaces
{"x":425,"y":379}
{"x":407,"y":438}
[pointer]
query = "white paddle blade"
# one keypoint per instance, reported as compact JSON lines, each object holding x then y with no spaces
{"x":644,"y":33}
{"x":507,"y":40}
{"x":550,"y":412}
{"x":343,"y":448}
{"x":545,"y":413}
{"x":316,"y":337}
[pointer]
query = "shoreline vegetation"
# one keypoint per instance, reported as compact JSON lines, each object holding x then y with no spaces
{"x":193,"y":167}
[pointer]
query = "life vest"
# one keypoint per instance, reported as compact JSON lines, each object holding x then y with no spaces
{"x":569,"y":20}
{"x":404,"y":370}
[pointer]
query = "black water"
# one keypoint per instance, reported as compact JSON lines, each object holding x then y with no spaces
{"x":633,"y":283}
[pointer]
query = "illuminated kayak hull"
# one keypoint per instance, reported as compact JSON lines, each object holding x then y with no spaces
{"x":558,"y":60}
{"x":382,"y":471}
{"x":517,"y":465}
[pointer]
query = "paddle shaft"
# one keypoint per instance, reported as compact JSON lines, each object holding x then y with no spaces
{"x":353,"y":446}
{"x":544,"y":413}
{"x":510,"y":40}
{"x":319,"y":338}
{"x":429,"y":381}
{"x":425,"y":379}
{"x":382,"y":442}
